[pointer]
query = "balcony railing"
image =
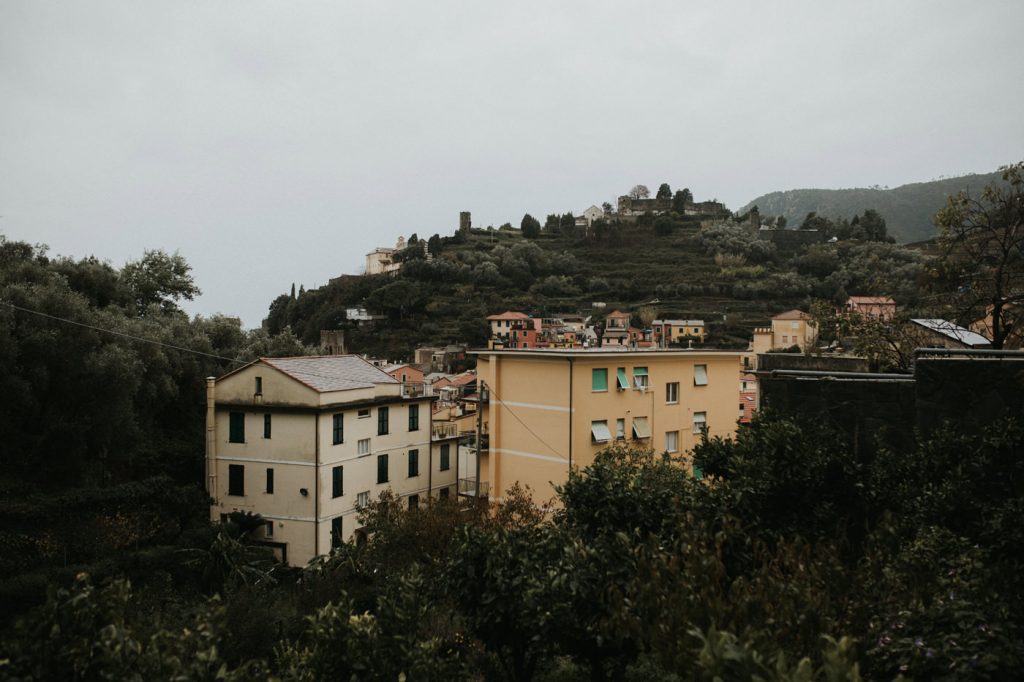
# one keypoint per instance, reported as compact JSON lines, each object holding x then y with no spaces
{"x":416,"y":389}
{"x":468,"y":487}
{"x":443,"y":430}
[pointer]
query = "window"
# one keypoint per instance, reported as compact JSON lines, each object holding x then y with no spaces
{"x":785,"y":339}
{"x":794,"y":325}
{"x":363,"y":447}
{"x":672,"y":392}
{"x":621,"y":380}
{"x":444,"y":493}
{"x":338,"y":428}
{"x":269,"y":529}
{"x":337,"y":481}
{"x":236,"y":479}
{"x":270,"y":481}
{"x":599,"y":379}
{"x":620,"y":429}
{"x":362,"y":414}
{"x":640,"y":377}
{"x":336,"y":532}
{"x":236,"y":432}
{"x":700,"y":422}
{"x":414,"y":463}
{"x":266,"y":426}
{"x":414,"y":417}
{"x":599,"y":432}
{"x":259,"y":386}
{"x":382,"y":468}
{"x":363,"y":499}
{"x":414,"y":501}
{"x":671,"y":441}
{"x":445,"y":457}
{"x":700,"y":375}
{"x":382,"y":421}
{"x":641,"y":429}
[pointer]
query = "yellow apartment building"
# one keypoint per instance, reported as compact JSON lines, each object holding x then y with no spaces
{"x":552,"y":409}
{"x":306,"y":442}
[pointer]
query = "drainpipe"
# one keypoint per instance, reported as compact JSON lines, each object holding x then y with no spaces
{"x":211,"y":437}
{"x":316,"y":486}
{"x":430,"y":455}
{"x":570,"y":413}
{"x":481,"y":386}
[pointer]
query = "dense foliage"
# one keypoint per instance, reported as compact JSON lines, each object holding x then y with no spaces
{"x":793,"y":560}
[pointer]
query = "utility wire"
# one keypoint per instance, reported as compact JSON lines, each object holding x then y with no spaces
{"x":525,"y":426}
{"x":122,"y":334}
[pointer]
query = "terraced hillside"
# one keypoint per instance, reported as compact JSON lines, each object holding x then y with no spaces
{"x":682,"y":267}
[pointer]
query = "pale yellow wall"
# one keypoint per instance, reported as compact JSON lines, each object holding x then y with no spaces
{"x":786,"y":333}
{"x":278,"y":388}
{"x":292,"y":435}
{"x":529,"y":415}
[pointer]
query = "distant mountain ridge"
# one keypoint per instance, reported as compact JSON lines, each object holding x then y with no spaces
{"x":908,"y":210}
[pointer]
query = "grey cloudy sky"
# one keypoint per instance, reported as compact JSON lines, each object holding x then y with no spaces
{"x":278,"y":142}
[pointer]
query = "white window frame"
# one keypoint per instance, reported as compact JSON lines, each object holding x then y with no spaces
{"x":700,"y":422}
{"x":362,"y":499}
{"x":620,"y":429}
{"x":363,"y":446}
{"x":672,"y":393}
{"x":671,"y":441}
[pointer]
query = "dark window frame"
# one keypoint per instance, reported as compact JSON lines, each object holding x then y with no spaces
{"x":236,"y":480}
{"x":445,"y":457}
{"x":382,"y":421}
{"x":270,"y":481}
{"x":414,"y":463}
{"x":337,"y":481}
{"x":236,"y":427}
{"x":338,"y":428}
{"x":383,"y":475}
{"x":414,"y":417}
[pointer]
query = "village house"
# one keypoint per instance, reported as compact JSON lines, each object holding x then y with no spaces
{"x":549,"y":410}
{"x":381,"y":260}
{"x":881,"y":308}
{"x":616,"y":329}
{"x":587,"y":218}
{"x":791,"y":328}
{"x":667,"y":332}
{"x":306,"y":442}
{"x":513,"y":330}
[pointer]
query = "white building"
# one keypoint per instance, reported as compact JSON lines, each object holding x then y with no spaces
{"x":306,"y":442}
{"x":382,"y":259}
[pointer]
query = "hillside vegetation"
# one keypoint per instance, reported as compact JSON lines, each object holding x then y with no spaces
{"x":676,"y":266}
{"x":908,"y":209}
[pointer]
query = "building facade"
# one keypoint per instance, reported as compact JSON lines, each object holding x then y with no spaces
{"x":307,"y":442}
{"x":549,"y":410}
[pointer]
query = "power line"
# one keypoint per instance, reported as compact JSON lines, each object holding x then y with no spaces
{"x":122,"y":334}
{"x":525,"y":426}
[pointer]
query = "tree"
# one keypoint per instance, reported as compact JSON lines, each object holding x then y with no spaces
{"x":530,"y":227}
{"x":664,"y":191}
{"x":639,"y":192}
{"x":680,"y":200}
{"x":982,"y":253}
{"x":159,"y":278}
{"x":607,"y":208}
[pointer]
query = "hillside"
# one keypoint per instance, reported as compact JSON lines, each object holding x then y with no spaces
{"x":908,"y":210}
{"x":716,"y":271}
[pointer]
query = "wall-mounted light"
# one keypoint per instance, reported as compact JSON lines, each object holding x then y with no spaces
{"x":303,"y":492}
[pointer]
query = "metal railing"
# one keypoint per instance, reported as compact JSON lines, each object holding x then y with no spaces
{"x":417,"y":389}
{"x":443,"y":430}
{"x":468,"y":487}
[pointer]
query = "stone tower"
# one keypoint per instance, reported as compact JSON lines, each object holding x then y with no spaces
{"x":465,"y":222}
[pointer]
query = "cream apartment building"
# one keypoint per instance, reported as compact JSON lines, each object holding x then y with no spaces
{"x":306,"y":442}
{"x":550,"y":410}
{"x":791,"y":328}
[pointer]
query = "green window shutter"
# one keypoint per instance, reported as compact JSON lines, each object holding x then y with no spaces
{"x":266,"y":426}
{"x":270,"y":481}
{"x":445,"y":457}
{"x":338,"y":427}
{"x":336,"y":532}
{"x":337,"y":481}
{"x":698,"y":473}
{"x":414,"y":463}
{"x":236,"y":479}
{"x":622,"y":378}
{"x":599,"y":379}
{"x":414,"y":417}
{"x":382,"y":421}
{"x":236,"y":431}
{"x":382,"y":468}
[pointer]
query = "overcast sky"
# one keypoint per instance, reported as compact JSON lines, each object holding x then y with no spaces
{"x":278,"y":142}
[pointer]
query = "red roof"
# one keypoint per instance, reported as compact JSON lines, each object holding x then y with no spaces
{"x":509,"y":315}
{"x":873,"y":300}
{"x":617,"y":313}
{"x":792,"y":315}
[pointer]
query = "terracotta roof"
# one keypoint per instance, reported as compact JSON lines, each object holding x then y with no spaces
{"x":463,"y":379}
{"x":792,"y":315}
{"x":618,"y":313}
{"x":509,"y":315}
{"x":883,"y":300}
{"x":325,"y":373}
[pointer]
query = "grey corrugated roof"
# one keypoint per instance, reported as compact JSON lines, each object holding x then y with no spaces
{"x":331,"y":372}
{"x":965,"y":336}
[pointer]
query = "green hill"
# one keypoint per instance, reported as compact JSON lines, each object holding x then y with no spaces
{"x":679,"y":266}
{"x":908,"y":210}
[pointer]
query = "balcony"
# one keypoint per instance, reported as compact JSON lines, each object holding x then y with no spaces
{"x":444,"y":430}
{"x":417,"y":389}
{"x":468,"y":488}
